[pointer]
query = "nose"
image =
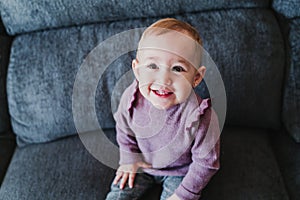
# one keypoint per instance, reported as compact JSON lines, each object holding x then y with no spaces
{"x":165,"y":77}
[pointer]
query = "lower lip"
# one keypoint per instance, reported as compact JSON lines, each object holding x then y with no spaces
{"x":162,"y":95}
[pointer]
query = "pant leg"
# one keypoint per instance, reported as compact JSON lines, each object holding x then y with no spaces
{"x":142,"y":182}
{"x":170,"y":184}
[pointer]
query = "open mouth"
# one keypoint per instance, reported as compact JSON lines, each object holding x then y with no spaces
{"x":162,"y":93}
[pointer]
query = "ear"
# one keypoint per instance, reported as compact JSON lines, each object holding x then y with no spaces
{"x":200,"y":73}
{"x":134,"y":66}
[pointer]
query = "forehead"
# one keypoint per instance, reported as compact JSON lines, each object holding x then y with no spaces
{"x":160,"y":56}
{"x":173,"y":43}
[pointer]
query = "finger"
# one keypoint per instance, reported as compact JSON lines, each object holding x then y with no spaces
{"x":117,"y":178}
{"x":131,"y":179}
{"x":124,"y":180}
{"x":144,"y":165}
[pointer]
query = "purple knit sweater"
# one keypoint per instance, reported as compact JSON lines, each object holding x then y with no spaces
{"x":180,"y":141}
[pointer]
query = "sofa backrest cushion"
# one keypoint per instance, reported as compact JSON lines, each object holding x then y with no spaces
{"x":41,"y":75}
{"x":288,"y":8}
{"x":246,"y":45}
{"x":21,"y":16}
{"x":291,"y":103}
{"x":289,"y":15}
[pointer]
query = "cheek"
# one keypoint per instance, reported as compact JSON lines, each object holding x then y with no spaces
{"x":145,"y":81}
{"x":184,"y":87}
{"x":185,"y":82}
{"x":144,"y":74}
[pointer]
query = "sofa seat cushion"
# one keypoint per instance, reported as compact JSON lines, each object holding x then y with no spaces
{"x":22,"y":16}
{"x":249,"y":169}
{"x":288,"y":155}
{"x":59,"y":170}
{"x":65,"y":170}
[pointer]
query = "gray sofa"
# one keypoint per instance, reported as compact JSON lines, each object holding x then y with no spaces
{"x":254,"y":43}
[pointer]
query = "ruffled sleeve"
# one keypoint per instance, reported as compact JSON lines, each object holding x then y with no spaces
{"x":204,"y":105}
{"x":197,"y":109}
{"x":205,"y":153}
{"x":132,"y":96}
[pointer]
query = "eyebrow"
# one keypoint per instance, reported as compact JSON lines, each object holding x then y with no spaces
{"x":183,"y":61}
{"x":152,"y":58}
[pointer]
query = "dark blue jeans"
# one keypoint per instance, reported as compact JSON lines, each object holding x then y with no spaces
{"x":142,"y":183}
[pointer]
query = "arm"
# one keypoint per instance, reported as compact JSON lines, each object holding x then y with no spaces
{"x":204,"y":165}
{"x":129,"y":150}
{"x":130,"y":155}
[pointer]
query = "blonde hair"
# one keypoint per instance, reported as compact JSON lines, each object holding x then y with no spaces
{"x":167,"y":25}
{"x":170,"y":24}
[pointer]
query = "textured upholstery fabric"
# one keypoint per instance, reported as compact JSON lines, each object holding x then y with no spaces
{"x":65,"y":170}
{"x":291,"y":104}
{"x":288,"y":155}
{"x":23,"y":16}
{"x":289,"y":9}
{"x":248,"y":50}
{"x":5,"y":43}
{"x":60,"y":170}
{"x":40,"y":86}
{"x":248,"y":168}
{"x":53,"y":39}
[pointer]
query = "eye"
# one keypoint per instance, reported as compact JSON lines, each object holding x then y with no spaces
{"x":152,"y":66}
{"x":178,"y":69}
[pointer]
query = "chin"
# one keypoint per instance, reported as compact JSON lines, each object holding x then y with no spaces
{"x":162,"y":106}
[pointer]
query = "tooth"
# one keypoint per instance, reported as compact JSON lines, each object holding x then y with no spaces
{"x":162,"y":92}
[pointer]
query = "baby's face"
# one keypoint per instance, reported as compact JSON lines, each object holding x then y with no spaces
{"x":165,"y":68}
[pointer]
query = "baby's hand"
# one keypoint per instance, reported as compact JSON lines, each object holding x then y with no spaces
{"x":128,"y":172}
{"x":173,"y":197}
